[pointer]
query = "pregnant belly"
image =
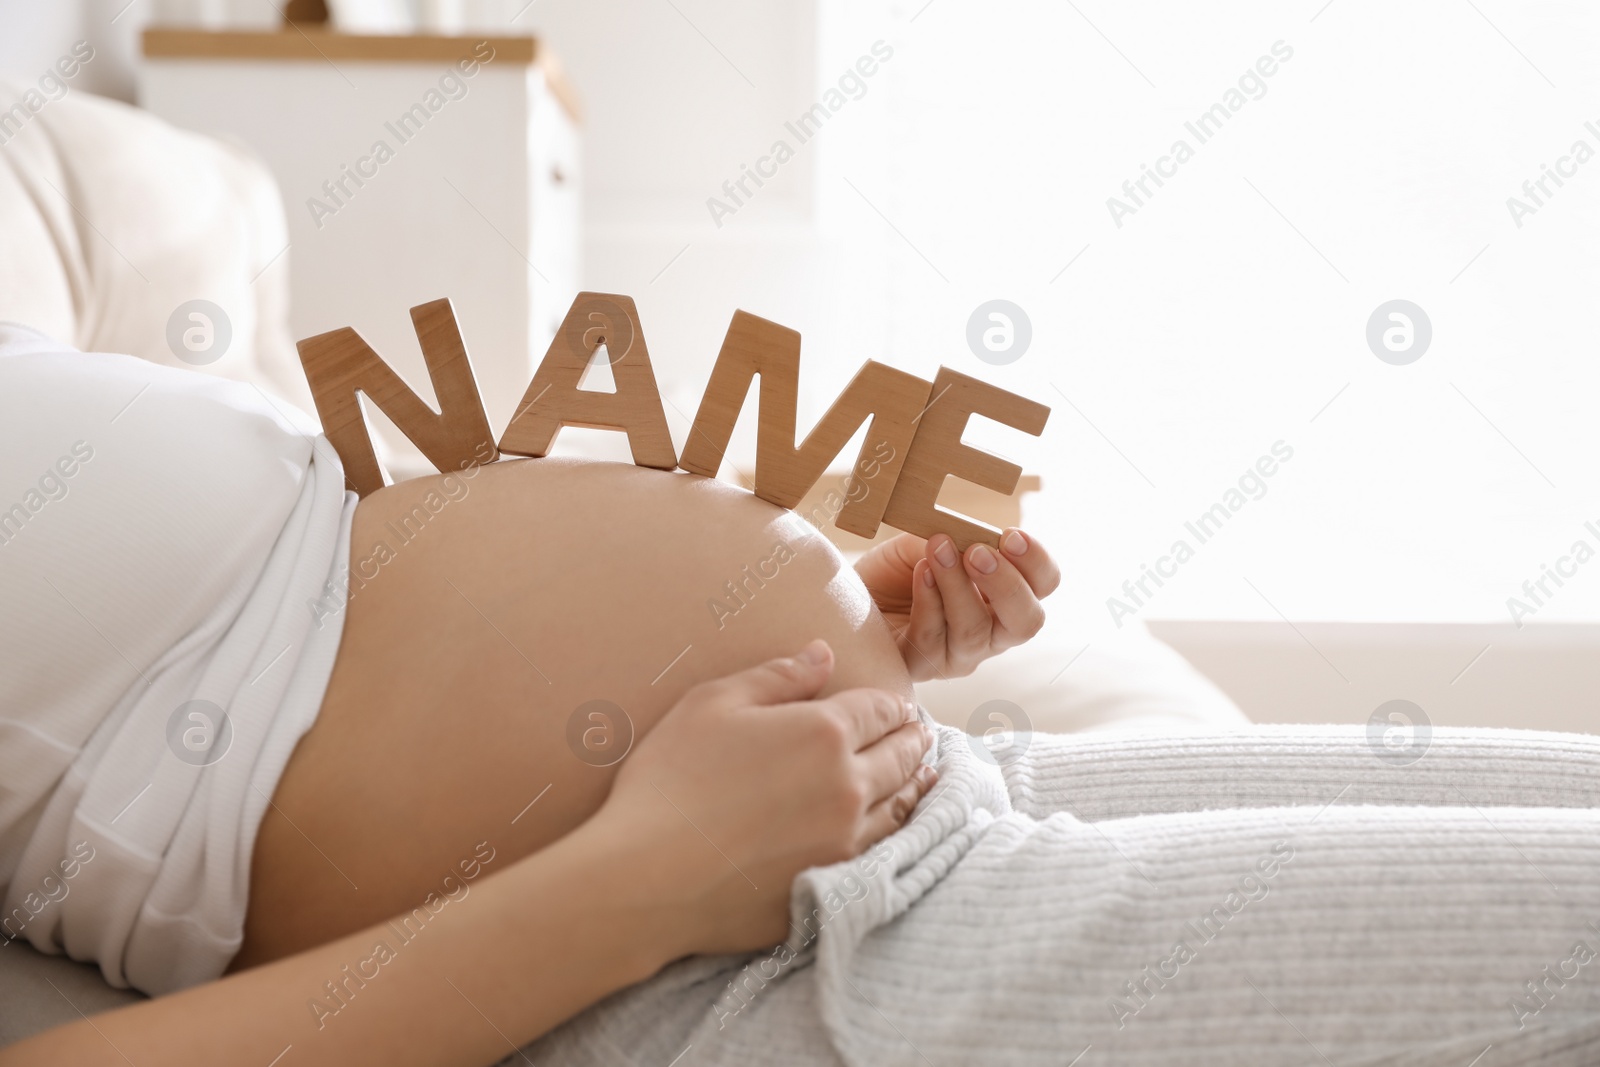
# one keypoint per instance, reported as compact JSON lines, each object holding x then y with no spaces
{"x":506,"y":639}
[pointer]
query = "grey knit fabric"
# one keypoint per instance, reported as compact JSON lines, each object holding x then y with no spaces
{"x":1281,"y":895}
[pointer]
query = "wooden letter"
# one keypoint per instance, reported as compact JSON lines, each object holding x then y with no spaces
{"x":339,"y":365}
{"x":783,"y":472}
{"x":938,"y":452}
{"x":553,"y":399}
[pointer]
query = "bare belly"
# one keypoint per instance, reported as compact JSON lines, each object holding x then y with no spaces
{"x":499,"y":610}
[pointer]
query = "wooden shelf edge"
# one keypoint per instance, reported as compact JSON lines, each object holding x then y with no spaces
{"x":296,"y":42}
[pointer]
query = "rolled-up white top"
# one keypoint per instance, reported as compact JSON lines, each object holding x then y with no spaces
{"x":165,"y":540}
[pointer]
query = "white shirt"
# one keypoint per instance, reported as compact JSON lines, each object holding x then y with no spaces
{"x":164,"y":536}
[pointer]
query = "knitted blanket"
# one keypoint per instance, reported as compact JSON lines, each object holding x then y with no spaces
{"x":1278,"y":895}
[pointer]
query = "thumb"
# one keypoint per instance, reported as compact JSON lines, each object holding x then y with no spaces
{"x":781,"y":680}
{"x":893,"y":560}
{"x":906,"y":549}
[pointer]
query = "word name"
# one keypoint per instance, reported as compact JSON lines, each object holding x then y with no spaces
{"x":913,"y":426}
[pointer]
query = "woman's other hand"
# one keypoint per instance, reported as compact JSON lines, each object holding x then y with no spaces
{"x":951,"y":611}
{"x":747,"y":781}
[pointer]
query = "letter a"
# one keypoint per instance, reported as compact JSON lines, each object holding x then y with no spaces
{"x":553,"y":399}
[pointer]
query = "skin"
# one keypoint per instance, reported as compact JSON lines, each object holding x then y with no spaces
{"x":951,"y":612}
{"x":520,"y":594}
{"x":465,"y":657}
{"x":815,"y":780}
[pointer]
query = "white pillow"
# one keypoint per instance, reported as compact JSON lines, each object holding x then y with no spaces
{"x":1123,"y":681}
{"x":113,"y":219}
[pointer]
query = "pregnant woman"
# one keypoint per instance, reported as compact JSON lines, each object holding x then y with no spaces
{"x":433,"y":644}
{"x":474,"y":764}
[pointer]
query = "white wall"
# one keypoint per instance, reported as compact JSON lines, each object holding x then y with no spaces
{"x":1228,"y":313}
{"x":1541,"y":677}
{"x":1222,"y":317}
{"x":679,"y":99}
{"x":34,"y":34}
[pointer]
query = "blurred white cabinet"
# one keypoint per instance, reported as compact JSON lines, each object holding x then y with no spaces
{"x":411,"y":168}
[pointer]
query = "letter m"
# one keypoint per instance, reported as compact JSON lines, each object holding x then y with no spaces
{"x":339,"y":365}
{"x":754,"y":346}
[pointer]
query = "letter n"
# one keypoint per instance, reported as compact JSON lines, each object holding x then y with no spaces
{"x":339,"y":365}
{"x":755,"y":346}
{"x":554,"y":399}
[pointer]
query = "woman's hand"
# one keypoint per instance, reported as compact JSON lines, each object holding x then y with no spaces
{"x":747,"y":781}
{"x":949,"y":613}
{"x":743,"y":784}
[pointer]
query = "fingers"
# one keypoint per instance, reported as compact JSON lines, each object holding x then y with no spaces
{"x":887,"y":568}
{"x":890,"y":763}
{"x":925,"y":629}
{"x":1031,"y":559}
{"x":777,"y":681}
{"x":868,"y":715}
{"x":967,"y":621}
{"x":1018,"y":614}
{"x":891,"y":813}
{"x":896,"y":556}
